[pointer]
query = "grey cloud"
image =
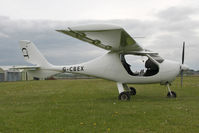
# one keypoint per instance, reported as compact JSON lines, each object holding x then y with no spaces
{"x":57,"y":47}
{"x":177,"y":13}
{"x":165,"y":35}
{"x":178,"y":19}
{"x":175,"y":25}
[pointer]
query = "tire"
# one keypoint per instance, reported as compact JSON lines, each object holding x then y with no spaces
{"x":124,"y":96}
{"x":133,"y":91}
{"x":171,"y":96}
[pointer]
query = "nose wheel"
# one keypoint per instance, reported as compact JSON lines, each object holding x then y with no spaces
{"x":170,"y":94}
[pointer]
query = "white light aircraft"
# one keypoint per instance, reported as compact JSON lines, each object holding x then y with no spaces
{"x":113,"y":65}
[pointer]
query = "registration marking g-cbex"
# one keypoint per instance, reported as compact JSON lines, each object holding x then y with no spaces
{"x":73,"y":69}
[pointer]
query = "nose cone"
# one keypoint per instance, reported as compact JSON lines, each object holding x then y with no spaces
{"x":184,"y":67}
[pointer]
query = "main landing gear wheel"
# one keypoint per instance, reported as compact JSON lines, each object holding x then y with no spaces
{"x":171,"y":94}
{"x":133,"y":91}
{"x":124,"y":96}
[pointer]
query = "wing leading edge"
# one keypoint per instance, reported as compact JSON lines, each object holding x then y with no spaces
{"x":109,"y":37}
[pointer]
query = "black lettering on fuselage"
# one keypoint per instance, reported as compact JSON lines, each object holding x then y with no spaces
{"x":71,"y":69}
{"x":82,"y":68}
{"x":64,"y":69}
{"x":74,"y":68}
{"x":78,"y":68}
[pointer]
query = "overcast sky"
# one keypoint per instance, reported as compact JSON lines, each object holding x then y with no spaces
{"x":164,"y":24}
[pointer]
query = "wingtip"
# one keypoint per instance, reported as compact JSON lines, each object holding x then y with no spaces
{"x":61,"y":30}
{"x":58,"y":30}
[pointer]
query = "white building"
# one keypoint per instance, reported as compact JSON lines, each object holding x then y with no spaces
{"x":9,"y":74}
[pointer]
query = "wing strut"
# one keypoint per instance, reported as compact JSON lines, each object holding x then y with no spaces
{"x":82,"y":36}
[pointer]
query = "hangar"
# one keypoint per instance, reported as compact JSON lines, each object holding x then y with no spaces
{"x":9,"y":74}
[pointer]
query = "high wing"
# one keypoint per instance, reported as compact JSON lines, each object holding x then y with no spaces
{"x":25,"y":67}
{"x":109,"y":37}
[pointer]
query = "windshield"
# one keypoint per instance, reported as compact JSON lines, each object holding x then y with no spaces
{"x":157,"y":58}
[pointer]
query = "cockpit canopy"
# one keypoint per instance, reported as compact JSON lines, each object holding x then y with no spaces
{"x":141,"y":65}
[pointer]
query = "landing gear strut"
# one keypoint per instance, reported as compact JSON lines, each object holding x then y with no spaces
{"x":170,"y":94}
{"x":125,"y":92}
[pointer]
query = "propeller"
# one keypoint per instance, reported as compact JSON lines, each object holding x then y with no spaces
{"x":183,"y":67}
{"x":181,"y":72}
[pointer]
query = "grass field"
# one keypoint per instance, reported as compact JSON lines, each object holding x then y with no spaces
{"x":91,"y":106}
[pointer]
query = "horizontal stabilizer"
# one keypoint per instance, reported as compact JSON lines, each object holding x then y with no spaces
{"x":25,"y":67}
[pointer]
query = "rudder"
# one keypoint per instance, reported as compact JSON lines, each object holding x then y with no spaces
{"x":32,"y":54}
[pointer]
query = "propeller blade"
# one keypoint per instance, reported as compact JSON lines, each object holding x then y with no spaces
{"x":181,"y":74}
{"x":183,"y":50}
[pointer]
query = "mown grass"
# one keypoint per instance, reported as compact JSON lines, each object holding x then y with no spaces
{"x":78,"y":106}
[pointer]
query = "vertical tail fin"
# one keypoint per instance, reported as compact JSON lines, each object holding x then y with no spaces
{"x":32,"y":55}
